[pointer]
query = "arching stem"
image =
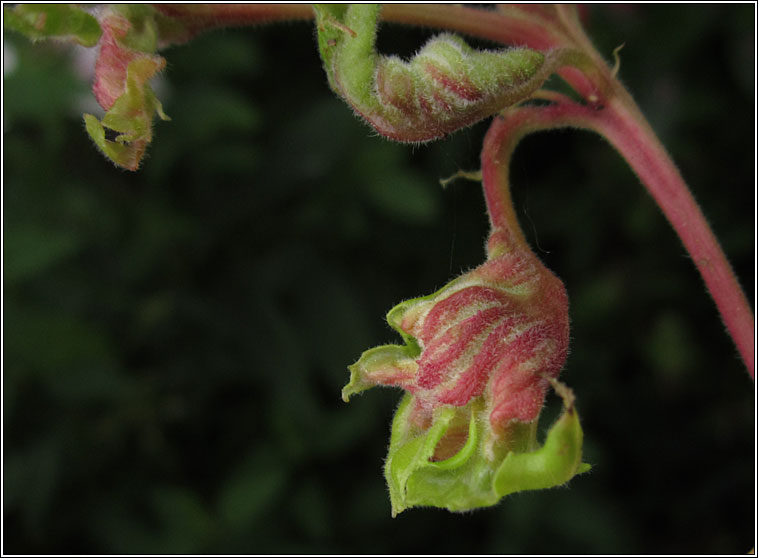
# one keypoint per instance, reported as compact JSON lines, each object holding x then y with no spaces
{"x":610,"y":112}
{"x":624,"y":127}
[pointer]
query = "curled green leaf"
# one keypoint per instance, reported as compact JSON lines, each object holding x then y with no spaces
{"x":446,"y":86}
{"x":125,"y":65}
{"x":474,"y":477}
{"x":131,"y":115}
{"x":53,"y":21}
{"x":127,"y":36}
{"x":479,"y":357}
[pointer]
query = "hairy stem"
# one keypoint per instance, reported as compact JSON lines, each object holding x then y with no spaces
{"x":511,"y":28}
{"x":480,"y":23}
{"x":200,"y":17}
{"x":611,"y":112}
{"x":627,"y":130}
{"x":621,"y":123}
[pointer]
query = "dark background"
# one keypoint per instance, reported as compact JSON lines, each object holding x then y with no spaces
{"x":176,"y":339}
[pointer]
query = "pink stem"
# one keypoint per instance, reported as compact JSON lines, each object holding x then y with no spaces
{"x":499,"y":144}
{"x":630,"y":134}
{"x":622,"y":125}
{"x":513,"y":28}
{"x":619,"y":121}
{"x":201,"y":17}
{"x":480,"y":23}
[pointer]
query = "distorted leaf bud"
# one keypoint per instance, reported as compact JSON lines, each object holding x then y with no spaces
{"x":497,"y":332}
{"x":114,"y":58}
{"x":125,"y":65}
{"x":478,"y":359}
{"x":446,"y":86}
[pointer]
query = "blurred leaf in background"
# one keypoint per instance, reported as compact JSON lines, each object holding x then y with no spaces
{"x":176,"y":339}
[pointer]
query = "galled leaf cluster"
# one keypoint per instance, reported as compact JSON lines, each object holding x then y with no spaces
{"x":128,"y":37}
{"x":478,"y":359}
{"x":481,"y":353}
{"x":446,"y":86}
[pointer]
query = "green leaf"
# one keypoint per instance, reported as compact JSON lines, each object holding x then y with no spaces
{"x":380,"y":365}
{"x":329,"y":34}
{"x":143,"y":29}
{"x":53,"y":21}
{"x":446,"y":86}
{"x":131,"y":114}
{"x":477,"y":475}
{"x":552,"y":465}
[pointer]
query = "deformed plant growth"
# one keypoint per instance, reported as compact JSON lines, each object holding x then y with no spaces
{"x":479,"y":354}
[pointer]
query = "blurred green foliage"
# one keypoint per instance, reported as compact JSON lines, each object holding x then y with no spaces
{"x":176,"y":339}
